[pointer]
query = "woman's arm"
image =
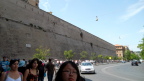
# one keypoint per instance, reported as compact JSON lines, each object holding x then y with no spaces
{"x":26,"y":75}
{"x":3,"y":77}
{"x":22,"y":77}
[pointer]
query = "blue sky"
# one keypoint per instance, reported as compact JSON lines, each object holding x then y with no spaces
{"x":119,"y":21}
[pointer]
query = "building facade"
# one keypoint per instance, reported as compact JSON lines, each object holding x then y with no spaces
{"x":120,"y":50}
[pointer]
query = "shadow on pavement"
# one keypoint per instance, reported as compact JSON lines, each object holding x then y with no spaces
{"x":88,"y":73}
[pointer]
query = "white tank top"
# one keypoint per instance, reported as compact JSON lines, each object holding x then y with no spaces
{"x":11,"y":79}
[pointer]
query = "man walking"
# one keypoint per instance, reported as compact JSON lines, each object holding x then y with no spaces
{"x":50,"y":70}
{"x":22,"y":66}
{"x":4,"y":64}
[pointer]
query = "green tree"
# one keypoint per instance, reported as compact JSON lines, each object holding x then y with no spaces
{"x":119,"y":58}
{"x":100,"y":56}
{"x":69,"y":54}
{"x":83,"y":55}
{"x":112,"y":57}
{"x":127,"y":55}
{"x":134,"y":56}
{"x":141,"y":46}
{"x":93,"y":56}
{"x":106,"y":57}
{"x":115,"y":58}
{"x":41,"y":53}
{"x":142,"y":54}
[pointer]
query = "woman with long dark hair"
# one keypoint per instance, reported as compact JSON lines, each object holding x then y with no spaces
{"x":13,"y":74}
{"x":68,"y":71}
{"x":32,"y":72}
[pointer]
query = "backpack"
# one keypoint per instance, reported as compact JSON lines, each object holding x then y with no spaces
{"x":8,"y":72}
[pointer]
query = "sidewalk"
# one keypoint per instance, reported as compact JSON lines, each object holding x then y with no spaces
{"x":46,"y":79}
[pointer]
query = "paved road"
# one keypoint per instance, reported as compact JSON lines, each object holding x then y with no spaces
{"x":116,"y":72}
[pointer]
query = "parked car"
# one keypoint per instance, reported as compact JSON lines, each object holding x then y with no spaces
{"x":139,"y":61}
{"x":123,"y":61}
{"x":134,"y":62}
{"x":86,"y":67}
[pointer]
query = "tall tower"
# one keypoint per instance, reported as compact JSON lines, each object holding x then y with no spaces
{"x":33,"y":2}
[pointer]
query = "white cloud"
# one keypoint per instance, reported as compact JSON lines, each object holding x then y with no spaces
{"x":133,"y":10}
{"x":45,"y":4}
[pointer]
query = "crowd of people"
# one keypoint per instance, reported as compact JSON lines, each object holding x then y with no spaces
{"x":36,"y":70}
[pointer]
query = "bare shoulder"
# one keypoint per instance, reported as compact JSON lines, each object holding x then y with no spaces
{"x":26,"y":72}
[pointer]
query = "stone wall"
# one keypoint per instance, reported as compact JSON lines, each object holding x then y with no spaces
{"x":22,"y":23}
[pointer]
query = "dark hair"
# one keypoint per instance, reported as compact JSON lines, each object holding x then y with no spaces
{"x":12,"y":61}
{"x":40,"y":63}
{"x":32,"y":61}
{"x":59,"y":73}
{"x":49,"y":60}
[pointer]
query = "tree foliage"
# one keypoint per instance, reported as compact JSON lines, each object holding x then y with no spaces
{"x":130,"y":56}
{"x":69,"y":54}
{"x":112,"y":57}
{"x":115,"y":58}
{"x":142,"y":54}
{"x":127,"y":55}
{"x":119,"y":58}
{"x":106,"y":57}
{"x":93,"y":56}
{"x":41,"y":53}
{"x":100,"y":56}
{"x":83,"y":54}
{"x":141,"y":46}
{"x":134,"y":56}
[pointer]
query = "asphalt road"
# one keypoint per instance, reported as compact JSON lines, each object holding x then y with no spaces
{"x":116,"y":72}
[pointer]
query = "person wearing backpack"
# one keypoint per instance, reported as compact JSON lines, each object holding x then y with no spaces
{"x":13,"y":74}
{"x":41,"y":71}
{"x":4,"y":64}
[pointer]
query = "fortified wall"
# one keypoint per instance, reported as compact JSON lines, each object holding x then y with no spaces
{"x":24,"y":27}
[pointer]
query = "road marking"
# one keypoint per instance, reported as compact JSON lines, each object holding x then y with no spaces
{"x":104,"y":70}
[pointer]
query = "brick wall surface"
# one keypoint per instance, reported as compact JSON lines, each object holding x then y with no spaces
{"x":22,"y":23}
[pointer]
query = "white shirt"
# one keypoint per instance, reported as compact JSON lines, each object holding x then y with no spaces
{"x":11,"y":79}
